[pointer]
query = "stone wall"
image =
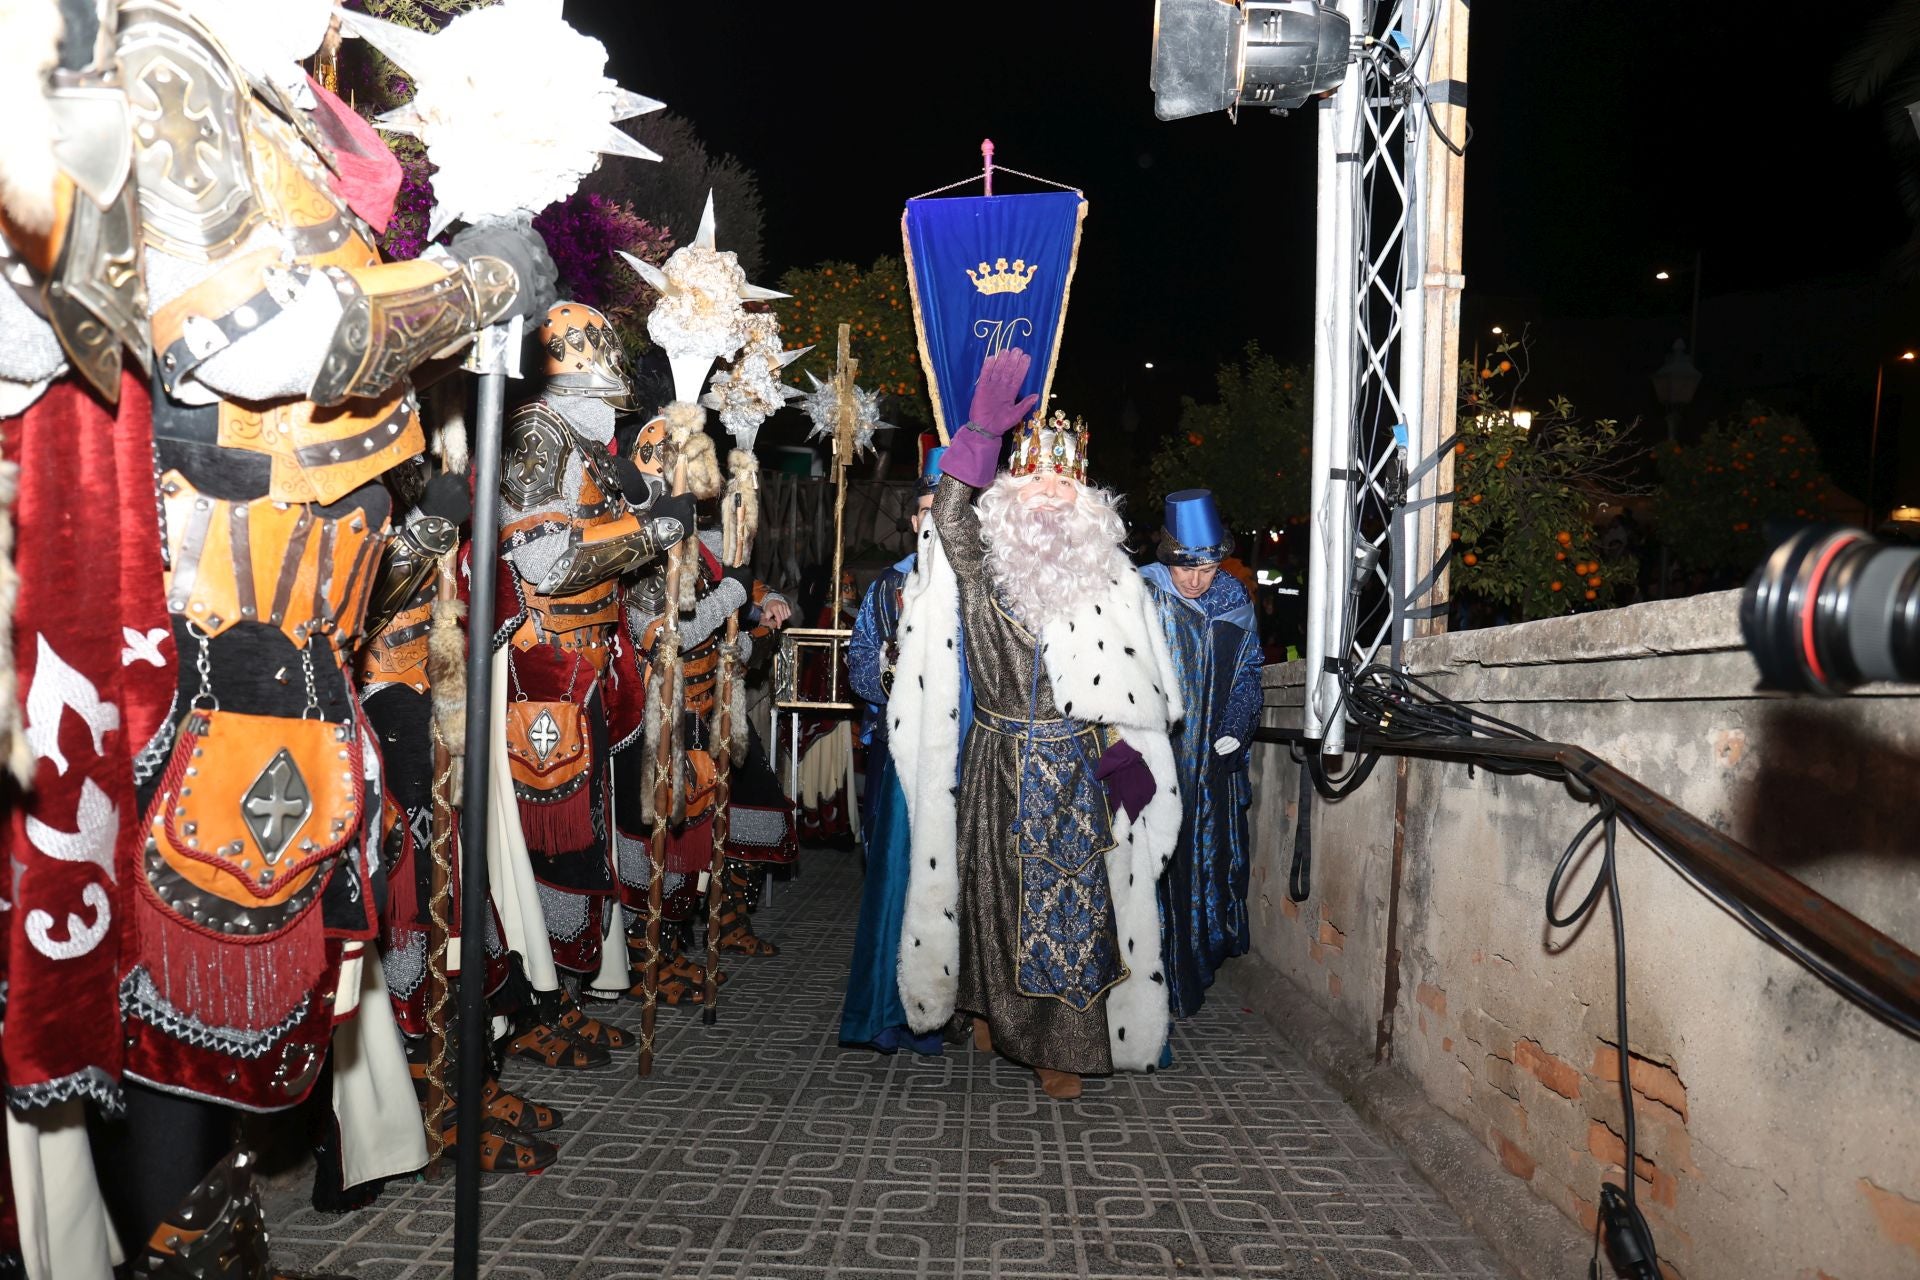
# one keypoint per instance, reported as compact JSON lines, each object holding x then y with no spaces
{"x":1779,"y":1126}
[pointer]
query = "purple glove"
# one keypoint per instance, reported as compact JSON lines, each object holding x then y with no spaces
{"x":1130,"y":785}
{"x":974,"y":455}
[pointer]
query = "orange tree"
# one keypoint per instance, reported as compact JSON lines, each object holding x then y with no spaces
{"x":875,"y":302}
{"x":1522,"y":525}
{"x":1716,"y":495}
{"x":1251,"y":446}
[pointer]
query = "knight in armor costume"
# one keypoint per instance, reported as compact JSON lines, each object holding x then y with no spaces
{"x":235,"y":259}
{"x":1031,"y":900}
{"x":760,"y":830}
{"x":576,"y":517}
{"x":412,"y":686}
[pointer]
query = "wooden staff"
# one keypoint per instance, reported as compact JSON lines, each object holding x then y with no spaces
{"x":666,"y":661}
{"x":439,"y":899}
{"x":443,"y":679}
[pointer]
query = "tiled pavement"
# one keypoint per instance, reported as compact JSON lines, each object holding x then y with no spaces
{"x":760,"y":1149}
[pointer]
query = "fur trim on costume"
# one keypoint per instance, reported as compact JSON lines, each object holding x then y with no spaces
{"x":13,"y":739}
{"x":703,"y":467}
{"x":925,"y":742}
{"x":687,"y":436}
{"x":447,"y":677}
{"x":28,"y":172}
{"x":743,"y":483}
{"x":1108,"y":664}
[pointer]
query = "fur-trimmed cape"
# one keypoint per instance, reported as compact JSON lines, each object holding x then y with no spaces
{"x":1110,"y":664}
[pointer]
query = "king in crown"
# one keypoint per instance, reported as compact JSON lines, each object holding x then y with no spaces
{"x":1030,"y":900}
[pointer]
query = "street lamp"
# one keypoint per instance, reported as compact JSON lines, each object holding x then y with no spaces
{"x":1873,"y":449}
{"x":1674,"y":384}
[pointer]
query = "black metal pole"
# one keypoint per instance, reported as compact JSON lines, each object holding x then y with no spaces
{"x":483,"y":560}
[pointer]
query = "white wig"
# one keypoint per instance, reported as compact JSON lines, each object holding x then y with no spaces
{"x":1049,"y":561}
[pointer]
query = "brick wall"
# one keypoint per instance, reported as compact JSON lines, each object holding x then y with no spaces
{"x":1778,"y":1126}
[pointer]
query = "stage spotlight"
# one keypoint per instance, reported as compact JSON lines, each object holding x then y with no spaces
{"x":1210,"y":55}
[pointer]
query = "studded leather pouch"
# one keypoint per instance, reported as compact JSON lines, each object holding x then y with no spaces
{"x":551,"y":759}
{"x":249,"y":818}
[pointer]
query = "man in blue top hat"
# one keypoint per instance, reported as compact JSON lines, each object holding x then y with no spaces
{"x":872,"y":1014}
{"x":1214,"y":642}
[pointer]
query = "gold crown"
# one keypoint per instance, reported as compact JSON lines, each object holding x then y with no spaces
{"x":1001,"y":279}
{"x":1054,"y":445}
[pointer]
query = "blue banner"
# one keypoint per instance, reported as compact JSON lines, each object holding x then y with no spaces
{"x":988,"y":273}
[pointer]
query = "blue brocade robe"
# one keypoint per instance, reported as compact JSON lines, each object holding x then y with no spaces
{"x":1203,"y":896}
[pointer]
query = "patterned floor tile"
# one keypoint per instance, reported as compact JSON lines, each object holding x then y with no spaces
{"x":761,"y":1150}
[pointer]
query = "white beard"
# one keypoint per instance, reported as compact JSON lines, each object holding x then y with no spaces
{"x":1051,"y":562}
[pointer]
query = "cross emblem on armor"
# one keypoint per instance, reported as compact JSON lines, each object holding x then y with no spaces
{"x":531,"y":462}
{"x":177,"y":124}
{"x":276,"y":804}
{"x":544,"y":734}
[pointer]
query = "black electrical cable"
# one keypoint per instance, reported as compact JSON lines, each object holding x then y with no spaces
{"x":1629,"y":1239}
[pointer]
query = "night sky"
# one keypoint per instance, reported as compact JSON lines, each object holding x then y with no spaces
{"x":1609,"y":139}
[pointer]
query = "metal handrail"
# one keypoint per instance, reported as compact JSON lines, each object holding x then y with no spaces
{"x":1841,"y":939}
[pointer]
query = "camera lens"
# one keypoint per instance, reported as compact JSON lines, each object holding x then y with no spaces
{"x":1832,"y":609}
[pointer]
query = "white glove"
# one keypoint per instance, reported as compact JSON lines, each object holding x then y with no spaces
{"x":1225,"y":746}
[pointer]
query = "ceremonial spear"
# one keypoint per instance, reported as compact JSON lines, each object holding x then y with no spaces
{"x":745,"y":396}
{"x":699,"y":318}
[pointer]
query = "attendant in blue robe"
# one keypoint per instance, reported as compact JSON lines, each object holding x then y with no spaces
{"x":873,"y":1015}
{"x":1214,"y":641}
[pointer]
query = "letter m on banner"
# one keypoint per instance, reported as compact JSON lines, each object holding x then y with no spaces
{"x":988,"y":273}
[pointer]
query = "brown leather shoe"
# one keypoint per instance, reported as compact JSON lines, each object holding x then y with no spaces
{"x":1064,"y":1085}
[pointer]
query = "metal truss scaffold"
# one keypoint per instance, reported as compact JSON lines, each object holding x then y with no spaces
{"x":1387,"y":282}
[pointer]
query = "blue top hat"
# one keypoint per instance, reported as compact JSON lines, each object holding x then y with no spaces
{"x":1194,"y":533}
{"x":930,"y":470}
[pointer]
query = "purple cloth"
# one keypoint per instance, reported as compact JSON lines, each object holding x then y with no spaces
{"x":972,"y":458}
{"x":994,"y":409}
{"x":1129,"y":782}
{"x":974,"y":454}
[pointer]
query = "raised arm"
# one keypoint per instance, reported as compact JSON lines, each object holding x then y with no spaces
{"x":974,"y":457}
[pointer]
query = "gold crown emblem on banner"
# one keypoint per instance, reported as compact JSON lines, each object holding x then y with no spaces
{"x":1053,"y":444}
{"x":1002,"y":279}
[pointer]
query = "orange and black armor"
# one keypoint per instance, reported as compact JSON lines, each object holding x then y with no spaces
{"x":281,"y":345}
{"x":571,"y":528}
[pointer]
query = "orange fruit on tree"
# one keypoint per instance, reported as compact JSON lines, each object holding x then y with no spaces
{"x":1555,"y":585}
{"x":1564,"y":538}
{"x":1475,"y":499}
{"x":1471,"y":558}
{"x":1506,"y":366}
{"x":1593,"y":595}
{"x":1594,"y":581}
{"x":1460,"y":448}
{"x":1559,"y":555}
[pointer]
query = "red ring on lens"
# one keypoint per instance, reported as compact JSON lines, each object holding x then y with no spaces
{"x":1808,"y":653}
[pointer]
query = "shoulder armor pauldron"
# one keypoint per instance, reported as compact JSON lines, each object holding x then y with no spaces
{"x":536,"y":446}
{"x":188,"y":106}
